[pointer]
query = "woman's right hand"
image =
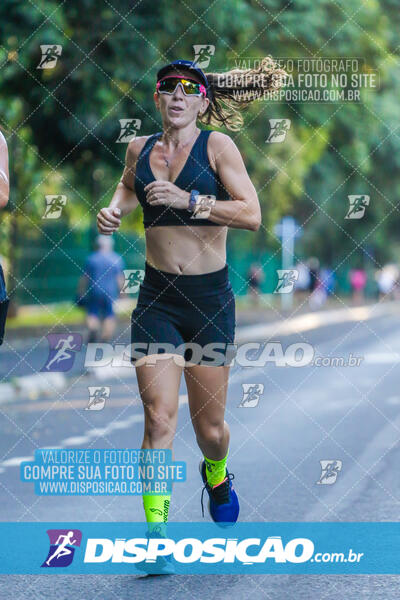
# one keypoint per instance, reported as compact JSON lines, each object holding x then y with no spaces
{"x":108,"y":220}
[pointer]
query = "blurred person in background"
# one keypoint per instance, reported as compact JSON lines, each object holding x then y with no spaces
{"x":4,"y":193}
{"x":255,"y":278}
{"x":99,"y":287}
{"x":328,"y":280}
{"x":358,"y":281}
{"x":387,"y":279}
{"x":324,"y":287}
{"x":316,"y":290}
{"x":396,"y":287}
{"x":318,"y":297}
{"x":302,"y":284}
{"x":313,"y":267}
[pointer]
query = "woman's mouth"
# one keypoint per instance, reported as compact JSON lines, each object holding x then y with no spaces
{"x":175,"y":110}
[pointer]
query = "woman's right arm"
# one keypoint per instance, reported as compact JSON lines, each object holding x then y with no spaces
{"x":4,"y":176}
{"x":124,"y":199}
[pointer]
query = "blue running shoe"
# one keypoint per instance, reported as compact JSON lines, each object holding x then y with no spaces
{"x":223,"y":502}
{"x":163,"y":565}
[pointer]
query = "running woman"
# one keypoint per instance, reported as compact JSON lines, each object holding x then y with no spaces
{"x":192,"y":185}
{"x":4,"y":193}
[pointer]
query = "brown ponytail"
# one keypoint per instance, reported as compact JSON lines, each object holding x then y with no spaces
{"x":236,"y":89}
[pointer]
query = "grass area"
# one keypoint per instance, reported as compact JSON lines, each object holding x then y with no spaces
{"x":64,"y":313}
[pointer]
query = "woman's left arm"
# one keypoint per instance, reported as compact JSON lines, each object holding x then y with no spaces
{"x":4,"y":182}
{"x":243,"y":210}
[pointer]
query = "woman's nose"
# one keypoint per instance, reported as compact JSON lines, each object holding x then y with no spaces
{"x":179,"y":91}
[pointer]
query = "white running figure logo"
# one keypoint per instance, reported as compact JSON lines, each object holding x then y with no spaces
{"x":62,"y":550}
{"x":62,"y":353}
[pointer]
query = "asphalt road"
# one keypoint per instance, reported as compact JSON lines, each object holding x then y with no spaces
{"x":305,"y":414}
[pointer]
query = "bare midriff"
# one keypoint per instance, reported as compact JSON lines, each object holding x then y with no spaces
{"x":186,"y":250}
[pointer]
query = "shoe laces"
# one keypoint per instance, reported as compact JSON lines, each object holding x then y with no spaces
{"x":220,"y":493}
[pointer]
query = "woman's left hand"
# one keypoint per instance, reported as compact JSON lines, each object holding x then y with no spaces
{"x":166,"y":193}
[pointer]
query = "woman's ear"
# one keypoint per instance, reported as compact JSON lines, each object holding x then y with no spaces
{"x":203,"y":108}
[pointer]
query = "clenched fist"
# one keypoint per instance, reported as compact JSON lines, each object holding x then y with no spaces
{"x":108,"y":220}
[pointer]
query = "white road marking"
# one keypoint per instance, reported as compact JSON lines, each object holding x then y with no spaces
{"x":16,"y":461}
{"x":394,"y":400}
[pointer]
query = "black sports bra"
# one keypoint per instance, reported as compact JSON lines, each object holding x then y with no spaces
{"x":196,"y":174}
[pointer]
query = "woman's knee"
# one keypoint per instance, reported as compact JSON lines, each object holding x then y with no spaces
{"x":207,"y":433}
{"x":159,"y":424}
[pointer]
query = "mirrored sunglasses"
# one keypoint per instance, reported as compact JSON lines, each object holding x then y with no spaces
{"x":190,"y":88}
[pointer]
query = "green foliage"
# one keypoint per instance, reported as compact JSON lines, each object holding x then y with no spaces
{"x":66,"y":120}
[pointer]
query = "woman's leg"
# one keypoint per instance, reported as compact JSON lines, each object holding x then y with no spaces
{"x":159,"y":391}
{"x":207,"y":391}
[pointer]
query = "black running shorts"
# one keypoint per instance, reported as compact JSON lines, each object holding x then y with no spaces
{"x":192,"y":316}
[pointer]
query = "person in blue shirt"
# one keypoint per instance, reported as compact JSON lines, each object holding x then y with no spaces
{"x":99,"y":287}
{"x":4,"y":193}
